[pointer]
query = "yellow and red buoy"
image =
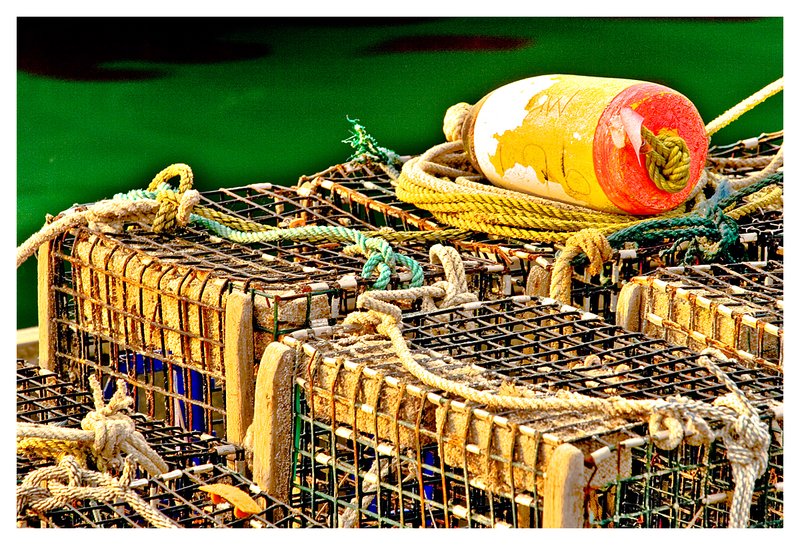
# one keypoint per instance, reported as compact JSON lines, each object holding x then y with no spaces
{"x":615,"y":145}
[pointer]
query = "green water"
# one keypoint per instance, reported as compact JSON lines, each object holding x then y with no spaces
{"x":281,"y":115}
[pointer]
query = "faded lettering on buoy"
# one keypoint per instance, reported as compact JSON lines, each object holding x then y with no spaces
{"x":574,"y":139}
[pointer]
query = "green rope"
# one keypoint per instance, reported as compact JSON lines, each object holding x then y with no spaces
{"x":380,"y":256}
{"x":379,"y":252}
{"x":710,"y":222}
{"x":668,"y":160}
{"x":366,"y":147}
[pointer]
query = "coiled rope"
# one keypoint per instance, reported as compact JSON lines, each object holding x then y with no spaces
{"x":745,"y":436}
{"x":441,"y":181}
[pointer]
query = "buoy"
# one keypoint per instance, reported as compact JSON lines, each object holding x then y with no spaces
{"x":615,"y":145}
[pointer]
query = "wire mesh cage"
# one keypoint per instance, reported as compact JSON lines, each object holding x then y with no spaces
{"x":44,"y":398}
{"x":367,"y":190}
{"x":737,"y":308}
{"x":195,"y":460}
{"x":178,"y":495}
{"x":762,"y":236}
{"x":744,"y":156}
{"x":172,"y":314}
{"x":375,"y":447}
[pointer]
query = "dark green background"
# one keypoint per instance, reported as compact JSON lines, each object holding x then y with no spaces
{"x":105,"y":104}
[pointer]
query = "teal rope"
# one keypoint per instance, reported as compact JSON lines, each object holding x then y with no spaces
{"x":380,"y":256}
{"x":710,"y":222}
{"x":379,"y":252}
{"x":366,"y":147}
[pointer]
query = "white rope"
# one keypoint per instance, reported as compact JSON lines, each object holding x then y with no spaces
{"x":745,"y":436}
{"x":108,"y":430}
{"x":54,"y":487}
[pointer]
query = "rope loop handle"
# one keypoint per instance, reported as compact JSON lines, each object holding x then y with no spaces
{"x":174,"y":207}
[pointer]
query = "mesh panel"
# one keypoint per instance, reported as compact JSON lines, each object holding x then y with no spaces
{"x":376,"y":447}
{"x":151,"y":308}
{"x":194,"y":459}
{"x":367,"y":192}
{"x":737,"y":308}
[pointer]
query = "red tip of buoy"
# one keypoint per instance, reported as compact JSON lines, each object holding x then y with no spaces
{"x":621,"y":174}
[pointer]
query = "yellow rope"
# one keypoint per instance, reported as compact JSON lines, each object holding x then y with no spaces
{"x":467,"y":204}
{"x":441,"y":182}
{"x":668,"y":160}
{"x":769,"y":198}
{"x":744,"y":106}
{"x":36,"y":447}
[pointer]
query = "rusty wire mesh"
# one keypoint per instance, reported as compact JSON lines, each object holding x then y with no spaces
{"x":150,"y":308}
{"x":367,"y":191}
{"x":375,"y":447}
{"x":737,"y":308}
{"x":194,"y":460}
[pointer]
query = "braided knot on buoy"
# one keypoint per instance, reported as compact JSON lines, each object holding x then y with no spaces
{"x":668,"y":160}
{"x":591,"y":242}
{"x":454,"y":119}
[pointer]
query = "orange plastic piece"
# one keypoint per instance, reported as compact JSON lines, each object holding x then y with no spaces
{"x":243,"y":504}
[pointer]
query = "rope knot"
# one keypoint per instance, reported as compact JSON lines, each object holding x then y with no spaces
{"x":454,"y":119}
{"x":746,"y":437}
{"x":666,"y":421}
{"x":115,"y":432}
{"x":668,"y":160}
{"x":174,"y":208}
{"x":456,"y":291}
{"x":110,"y":425}
{"x":589,"y":241}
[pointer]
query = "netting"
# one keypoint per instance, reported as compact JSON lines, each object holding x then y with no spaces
{"x":375,"y":447}
{"x":194,"y":459}
{"x":152,"y":308}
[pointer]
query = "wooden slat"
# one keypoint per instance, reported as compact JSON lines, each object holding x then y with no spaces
{"x":272,"y":423}
{"x":239,"y":369}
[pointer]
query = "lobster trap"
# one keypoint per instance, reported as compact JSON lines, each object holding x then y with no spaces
{"x":183,"y":317}
{"x":195,"y":460}
{"x":367,"y":191}
{"x":375,"y":447}
{"x":44,"y":398}
{"x":762,"y":236}
{"x":744,"y":157}
{"x":736,"y":308}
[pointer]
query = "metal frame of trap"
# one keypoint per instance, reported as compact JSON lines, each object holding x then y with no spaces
{"x":736,"y":308}
{"x":366,"y":190}
{"x":178,"y":317}
{"x":195,"y":459}
{"x":374,"y":447}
